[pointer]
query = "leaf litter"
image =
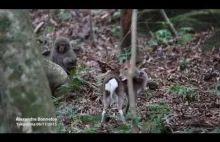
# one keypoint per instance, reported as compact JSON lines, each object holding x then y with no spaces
{"x":181,"y":66}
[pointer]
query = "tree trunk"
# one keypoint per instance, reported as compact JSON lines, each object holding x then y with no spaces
{"x":24,"y":88}
{"x":125,"y":29}
{"x":125,"y":45}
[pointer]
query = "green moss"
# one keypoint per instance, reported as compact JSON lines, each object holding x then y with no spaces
{"x":4,"y":24}
{"x":17,"y":71}
{"x":3,"y":40}
{"x":28,"y":63}
{"x":26,"y":92}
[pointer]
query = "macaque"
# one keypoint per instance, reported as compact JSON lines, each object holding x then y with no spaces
{"x":112,"y":85}
{"x":63,"y":55}
{"x":140,"y":79}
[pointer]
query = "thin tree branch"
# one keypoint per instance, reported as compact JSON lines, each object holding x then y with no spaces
{"x":173,"y":30}
{"x":131,"y":71}
{"x":91,"y":27}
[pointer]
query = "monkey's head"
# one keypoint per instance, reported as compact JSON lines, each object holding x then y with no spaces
{"x":62,"y":44}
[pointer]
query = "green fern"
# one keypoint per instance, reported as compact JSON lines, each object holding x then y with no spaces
{"x":185,"y":30}
{"x":157,"y":114}
{"x":124,"y":55}
{"x":181,"y":90}
{"x":65,"y":15}
{"x":115,"y":30}
{"x":216,"y":88}
{"x":75,"y":81}
{"x":185,"y":38}
{"x":184,"y":63}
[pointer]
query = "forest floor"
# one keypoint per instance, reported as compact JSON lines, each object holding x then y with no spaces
{"x":185,"y":99}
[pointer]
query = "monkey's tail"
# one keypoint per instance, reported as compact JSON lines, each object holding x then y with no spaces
{"x":111,"y":86}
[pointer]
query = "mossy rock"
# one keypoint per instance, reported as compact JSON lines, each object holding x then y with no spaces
{"x":213,"y":42}
{"x":56,"y":75}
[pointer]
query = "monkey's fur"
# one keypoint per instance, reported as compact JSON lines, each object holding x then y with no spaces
{"x":63,"y":55}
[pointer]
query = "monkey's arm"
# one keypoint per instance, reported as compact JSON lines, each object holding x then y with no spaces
{"x":139,"y":91}
{"x":143,"y":84}
{"x":53,"y":56}
{"x":69,"y":61}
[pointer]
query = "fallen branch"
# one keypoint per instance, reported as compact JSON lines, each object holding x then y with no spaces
{"x":91,"y":85}
{"x":173,"y":30}
{"x":53,"y":22}
{"x":62,"y":97}
{"x":103,"y":75}
{"x":104,"y":64}
{"x":36,"y":30}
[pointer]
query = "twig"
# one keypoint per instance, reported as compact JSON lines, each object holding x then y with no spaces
{"x":124,"y":37}
{"x":103,"y":75}
{"x":38,"y":27}
{"x":151,"y":63}
{"x":145,"y":61}
{"x":148,"y":10}
{"x":62,"y":97}
{"x":100,"y":62}
{"x":46,"y":24}
{"x":142,"y":63}
{"x":91,"y":27}
{"x":173,"y":30}
{"x":58,"y":98}
{"x":53,"y":22}
{"x":91,"y":85}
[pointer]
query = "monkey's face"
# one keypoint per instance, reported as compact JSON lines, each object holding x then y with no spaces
{"x":61,"y":48}
{"x":139,"y":76}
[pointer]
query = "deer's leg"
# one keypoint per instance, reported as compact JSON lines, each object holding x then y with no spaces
{"x":106,"y":103}
{"x":120,"y":104}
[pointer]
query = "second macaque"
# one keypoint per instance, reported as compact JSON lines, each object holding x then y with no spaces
{"x":63,"y":55}
{"x":140,"y":79}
